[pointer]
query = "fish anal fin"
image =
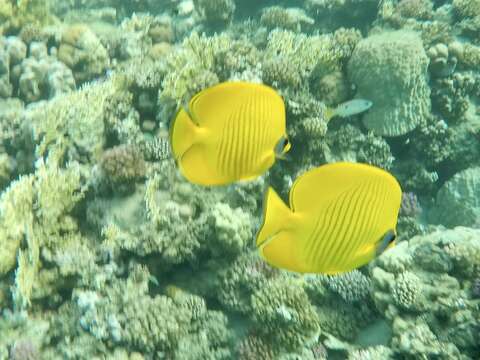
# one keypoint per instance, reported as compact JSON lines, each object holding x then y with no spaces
{"x":280,"y":251}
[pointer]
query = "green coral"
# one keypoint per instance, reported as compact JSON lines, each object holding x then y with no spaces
{"x":16,"y":14}
{"x":283,"y":313}
{"x":15,"y":210}
{"x":398,"y":60}
{"x":352,"y":286}
{"x":467,"y":8}
{"x":293,"y":19}
{"x":406,"y":290}
{"x":124,"y":313}
{"x":191,"y":68}
{"x":419,"y":285}
{"x":82,"y":51}
{"x":239,"y":281}
{"x":372,"y":353}
{"x":457,"y":201}
{"x":232,"y":229}
{"x":348,"y":143}
{"x":303,"y":53}
{"x":75,"y":122}
{"x":37,"y":208}
{"x":215,"y":12}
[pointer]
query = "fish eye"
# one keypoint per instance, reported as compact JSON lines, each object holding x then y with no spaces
{"x":392,"y":238}
{"x":283,"y":145}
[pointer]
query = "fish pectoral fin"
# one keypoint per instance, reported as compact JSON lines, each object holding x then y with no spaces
{"x":329,"y":113}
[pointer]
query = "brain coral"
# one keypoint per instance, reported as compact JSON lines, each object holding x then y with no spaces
{"x":390,"y":69}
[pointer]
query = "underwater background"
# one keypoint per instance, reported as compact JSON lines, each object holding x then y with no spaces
{"x":107,"y":252}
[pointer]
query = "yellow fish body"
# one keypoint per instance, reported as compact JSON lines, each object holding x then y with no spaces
{"x":341,"y":216}
{"x":230,"y":132}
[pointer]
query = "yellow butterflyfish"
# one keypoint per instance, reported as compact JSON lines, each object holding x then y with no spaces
{"x":229,"y":132}
{"x":341,"y":216}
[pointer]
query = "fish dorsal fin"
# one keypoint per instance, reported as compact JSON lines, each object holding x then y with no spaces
{"x":214,"y":105}
{"x":319,"y":186}
{"x":183,"y":133}
{"x":276,"y":215}
{"x":276,"y":240}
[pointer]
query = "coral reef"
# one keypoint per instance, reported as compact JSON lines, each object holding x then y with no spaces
{"x":108,"y":253}
{"x":215,"y":12}
{"x":121,"y":166}
{"x":417,"y":293}
{"x":397,"y":60}
{"x":284,"y":314}
{"x":82,"y":51}
{"x":457,"y":202}
{"x":293,"y":19}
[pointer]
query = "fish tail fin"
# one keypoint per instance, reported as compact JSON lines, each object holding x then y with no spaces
{"x":183,"y":133}
{"x":329,"y":113}
{"x":275,"y":215}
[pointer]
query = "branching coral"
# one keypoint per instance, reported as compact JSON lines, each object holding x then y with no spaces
{"x":302,"y":53}
{"x":75,"y":123}
{"x":36,"y":208}
{"x":215,"y":12}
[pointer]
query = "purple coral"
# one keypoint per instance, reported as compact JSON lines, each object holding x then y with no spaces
{"x":476,"y":287}
{"x":253,"y":347}
{"x":24,"y":349}
{"x":122,"y":166}
{"x":410,"y":206}
{"x":319,"y":351}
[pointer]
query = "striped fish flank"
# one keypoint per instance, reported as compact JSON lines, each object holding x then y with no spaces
{"x":339,"y":216}
{"x":236,"y":127}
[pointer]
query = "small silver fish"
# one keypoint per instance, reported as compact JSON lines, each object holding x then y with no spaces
{"x":349,"y":108}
